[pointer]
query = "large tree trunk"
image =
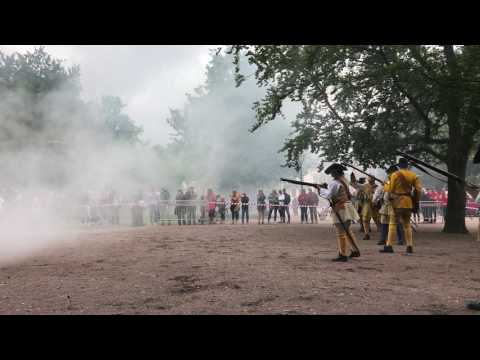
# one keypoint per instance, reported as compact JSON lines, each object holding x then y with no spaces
{"x":457,"y":164}
{"x":459,"y":145}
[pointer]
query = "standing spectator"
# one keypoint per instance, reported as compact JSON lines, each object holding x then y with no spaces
{"x":477,"y":200}
{"x":212,"y":204}
{"x":179,"y":208}
{"x":193,"y":205}
{"x":273,"y":206}
{"x":287,"y":205}
{"x":153,"y":206}
{"x":281,"y":206}
{"x":295,"y":206}
{"x":312,"y":201}
{"x":235,"y":206}
{"x":203,"y":211}
{"x":137,"y":210}
{"x":443,"y":199}
{"x":244,"y":200}
{"x":188,"y":197}
{"x":303,"y":204}
{"x":432,"y":195}
{"x":261,"y":206}
{"x":86,"y":210}
{"x":115,"y":207}
{"x":222,"y":209}
{"x":164,"y":198}
{"x":426,"y":207}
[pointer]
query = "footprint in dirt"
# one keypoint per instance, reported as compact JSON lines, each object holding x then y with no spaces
{"x":229,"y":285}
{"x":258,"y":302}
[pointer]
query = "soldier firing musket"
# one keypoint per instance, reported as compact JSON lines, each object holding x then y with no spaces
{"x":338,"y":195}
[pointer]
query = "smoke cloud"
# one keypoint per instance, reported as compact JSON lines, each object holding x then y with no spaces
{"x":57,"y":149}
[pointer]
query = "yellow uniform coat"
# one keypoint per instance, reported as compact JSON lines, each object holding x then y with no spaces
{"x":399,"y":191}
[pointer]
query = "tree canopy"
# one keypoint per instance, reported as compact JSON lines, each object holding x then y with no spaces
{"x":46,"y":124}
{"x":361,"y":103}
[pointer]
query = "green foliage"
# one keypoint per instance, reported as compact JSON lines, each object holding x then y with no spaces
{"x":30,"y":86}
{"x":356,"y":97}
{"x":37,"y":73}
{"x":118,"y":124}
{"x":361,"y":103}
{"x":46,"y":126}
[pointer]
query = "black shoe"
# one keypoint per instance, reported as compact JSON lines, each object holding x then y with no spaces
{"x":366,"y":237}
{"x":474,"y":306}
{"x":409,"y":249}
{"x":340,"y":258}
{"x":354,"y":254}
{"x":387,"y":249}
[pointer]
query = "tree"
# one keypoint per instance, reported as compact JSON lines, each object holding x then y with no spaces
{"x":31,"y":87}
{"x":56,"y":136}
{"x":211,"y":142}
{"x":364,"y":102}
{"x":117,"y":124}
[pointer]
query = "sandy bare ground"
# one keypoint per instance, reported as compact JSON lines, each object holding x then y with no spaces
{"x":225,"y":269}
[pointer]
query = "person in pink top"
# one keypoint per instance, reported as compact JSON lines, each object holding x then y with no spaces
{"x":443,"y":199}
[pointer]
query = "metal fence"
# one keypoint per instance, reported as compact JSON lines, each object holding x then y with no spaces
{"x":165,"y":212}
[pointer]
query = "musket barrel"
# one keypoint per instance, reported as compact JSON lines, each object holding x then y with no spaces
{"x":440,"y":171}
{"x":363,"y":172}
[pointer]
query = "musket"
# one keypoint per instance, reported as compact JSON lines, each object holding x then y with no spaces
{"x":304,"y":183}
{"x":317,"y":186}
{"x":440,"y":171}
{"x":365,"y":173}
{"x":373,"y":177}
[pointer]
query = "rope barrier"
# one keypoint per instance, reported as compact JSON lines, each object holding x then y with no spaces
{"x":196,"y":203}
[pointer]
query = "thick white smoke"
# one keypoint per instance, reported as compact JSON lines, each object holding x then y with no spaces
{"x":55,"y":149}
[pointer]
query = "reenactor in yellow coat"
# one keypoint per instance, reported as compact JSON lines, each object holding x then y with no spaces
{"x":368,"y":211}
{"x":403,"y":191}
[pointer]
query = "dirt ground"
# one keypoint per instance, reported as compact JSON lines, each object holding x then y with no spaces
{"x":235,"y":269}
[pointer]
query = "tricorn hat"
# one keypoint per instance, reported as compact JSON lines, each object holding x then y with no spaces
{"x":391,"y":169}
{"x":338,"y":168}
{"x":402,"y":162}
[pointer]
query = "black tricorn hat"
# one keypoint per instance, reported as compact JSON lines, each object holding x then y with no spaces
{"x":335,"y":168}
{"x":391,"y":169}
{"x":402,"y":162}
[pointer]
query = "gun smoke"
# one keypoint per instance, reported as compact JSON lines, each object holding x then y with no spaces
{"x":57,"y":149}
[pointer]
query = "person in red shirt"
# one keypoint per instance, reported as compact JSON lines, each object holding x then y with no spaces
{"x":303,"y":204}
{"x":312,"y":205}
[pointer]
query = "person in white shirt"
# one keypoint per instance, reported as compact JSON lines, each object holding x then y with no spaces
{"x":339,"y":194}
{"x":281,"y":205}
